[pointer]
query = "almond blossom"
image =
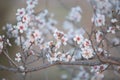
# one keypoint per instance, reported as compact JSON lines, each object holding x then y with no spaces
{"x":58,"y":35}
{"x":86,"y":43}
{"x":111,"y":30}
{"x":18,"y":57}
{"x":114,"y":20}
{"x":32,"y":3}
{"x":99,"y":68}
{"x":87,"y":53}
{"x":21,"y":27}
{"x":26,"y":18}
{"x":39,"y":39}
{"x":99,"y":36}
{"x":98,"y":20}
{"x":20,"y":13}
{"x":78,"y":38}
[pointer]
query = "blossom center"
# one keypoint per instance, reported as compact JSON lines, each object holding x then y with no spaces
{"x":21,"y":27}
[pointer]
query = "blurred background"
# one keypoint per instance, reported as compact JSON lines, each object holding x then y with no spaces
{"x":60,"y":8}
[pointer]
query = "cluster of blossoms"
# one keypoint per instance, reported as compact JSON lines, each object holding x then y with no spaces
{"x":106,"y":6}
{"x":39,"y":30}
{"x":64,"y":57}
{"x":85,"y":74}
{"x":106,"y":9}
{"x":85,"y":46}
{"x":60,"y":37}
{"x":99,"y":68}
{"x":99,"y":71}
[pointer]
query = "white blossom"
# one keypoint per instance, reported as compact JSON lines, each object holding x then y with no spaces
{"x":98,"y":20}
{"x":87,"y":53}
{"x":18,"y":57}
{"x":111,"y":30}
{"x":78,"y":38}
{"x":99,"y":36}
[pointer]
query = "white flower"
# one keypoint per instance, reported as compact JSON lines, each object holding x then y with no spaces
{"x":100,"y":50}
{"x":111,"y":30}
{"x":26,"y":18}
{"x":32,"y":3}
{"x":98,"y":20}
{"x":114,"y":20}
{"x":21,"y":27}
{"x":21,"y":67}
{"x":36,"y":34}
{"x":78,"y":38}
{"x":86,"y":43}
{"x":87,"y":53}
{"x":99,"y":36}
{"x":20,"y":13}
{"x":98,"y":68}
{"x":57,"y":34}
{"x":18,"y":57}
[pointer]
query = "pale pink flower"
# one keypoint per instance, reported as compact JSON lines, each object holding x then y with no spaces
{"x":26,"y":18}
{"x":18,"y":57}
{"x":98,"y":68}
{"x":58,"y":35}
{"x":78,"y":38}
{"x":36,"y":34}
{"x":99,"y":36}
{"x":86,"y":43}
{"x":111,"y":30}
{"x":114,"y":20}
{"x":32,"y":3}
{"x":20,"y":12}
{"x":21,"y":27}
{"x":98,"y":20}
{"x":87,"y":53}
